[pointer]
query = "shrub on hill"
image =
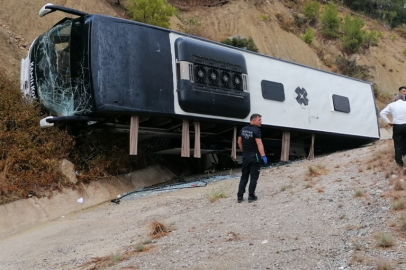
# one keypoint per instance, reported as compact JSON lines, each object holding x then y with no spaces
{"x":353,"y":35}
{"x":308,"y":37}
{"x":330,"y":22}
{"x":28,"y":154}
{"x":241,"y":42}
{"x":155,"y":12}
{"x":312,"y":11}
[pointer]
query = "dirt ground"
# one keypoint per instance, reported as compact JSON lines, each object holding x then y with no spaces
{"x":331,"y":219}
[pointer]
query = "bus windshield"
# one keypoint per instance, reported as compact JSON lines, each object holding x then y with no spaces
{"x":60,"y":70}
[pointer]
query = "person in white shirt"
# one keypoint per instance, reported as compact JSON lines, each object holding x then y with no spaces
{"x":402,"y":90}
{"x":398,"y":111}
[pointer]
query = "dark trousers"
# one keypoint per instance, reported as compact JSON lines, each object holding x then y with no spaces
{"x":251,"y":166}
{"x":399,"y":141}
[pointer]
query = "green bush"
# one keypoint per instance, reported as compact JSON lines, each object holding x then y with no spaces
{"x":265,"y":17}
{"x":404,"y":51}
{"x":312,"y":11}
{"x":247,"y":44}
{"x":371,"y":38}
{"x":28,"y":154}
{"x":155,"y":12}
{"x":308,"y":37}
{"x":330,"y":22}
{"x":353,"y":35}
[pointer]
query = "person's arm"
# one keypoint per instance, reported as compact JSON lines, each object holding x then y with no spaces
{"x":239,"y":143}
{"x":384,"y":114}
{"x":260,"y":146}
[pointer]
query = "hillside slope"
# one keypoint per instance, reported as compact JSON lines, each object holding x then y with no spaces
{"x":260,"y":20}
{"x":20,"y":24}
{"x":244,"y":18}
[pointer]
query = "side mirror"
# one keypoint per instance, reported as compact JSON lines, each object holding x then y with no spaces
{"x":45,"y":10}
{"x":44,"y":124}
{"x":49,"y":8}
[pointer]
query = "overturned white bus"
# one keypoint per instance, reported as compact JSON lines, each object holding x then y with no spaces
{"x":104,"y":70}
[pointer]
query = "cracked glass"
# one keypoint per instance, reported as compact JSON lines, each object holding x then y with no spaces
{"x":61,"y":72}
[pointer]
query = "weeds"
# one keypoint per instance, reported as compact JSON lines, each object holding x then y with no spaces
{"x":283,"y":188}
{"x":265,"y":17}
{"x":316,"y":170}
{"x":217,"y":193}
{"x":381,"y":265}
{"x":398,"y":204}
{"x":385,"y":240}
{"x":403,"y":224}
{"x":29,"y":154}
{"x":140,"y":248}
{"x":358,"y":193}
{"x":117,"y":257}
{"x":398,"y":185}
{"x":320,"y":190}
{"x":157,"y":229}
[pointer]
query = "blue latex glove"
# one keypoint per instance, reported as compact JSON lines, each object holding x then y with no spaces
{"x":264,"y":159}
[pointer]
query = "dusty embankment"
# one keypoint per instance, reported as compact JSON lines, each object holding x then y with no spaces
{"x":25,"y":214}
{"x":331,"y":219}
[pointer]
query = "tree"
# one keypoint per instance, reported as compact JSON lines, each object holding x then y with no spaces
{"x":330,"y":22}
{"x":308,"y":37}
{"x":311,"y":11}
{"x":240,"y":42}
{"x":155,"y":12}
{"x":390,"y":11}
{"x":353,"y":35}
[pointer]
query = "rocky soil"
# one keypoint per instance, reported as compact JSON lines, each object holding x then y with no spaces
{"x":325,"y":213}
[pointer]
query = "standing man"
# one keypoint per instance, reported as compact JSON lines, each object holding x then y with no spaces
{"x":402,"y":91}
{"x":398,"y":111}
{"x":250,"y":143}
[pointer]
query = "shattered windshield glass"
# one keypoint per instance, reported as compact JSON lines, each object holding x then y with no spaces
{"x":61,"y":86}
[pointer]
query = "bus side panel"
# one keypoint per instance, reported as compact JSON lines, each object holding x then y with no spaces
{"x":131,"y":67}
{"x":295,"y":97}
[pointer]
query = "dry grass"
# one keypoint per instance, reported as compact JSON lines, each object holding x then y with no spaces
{"x":357,"y":258}
{"x":384,"y":240}
{"x":358,"y":193}
{"x":402,"y":224}
{"x":382,"y":265}
{"x":398,"y":185}
{"x":399,"y":204}
{"x":320,"y":190}
{"x":157,"y":229}
{"x":317,"y":170}
{"x":217,"y":193}
{"x":286,"y":187}
{"x":111,"y":260}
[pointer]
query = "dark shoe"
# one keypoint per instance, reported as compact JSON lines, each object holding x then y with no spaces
{"x":252,"y":198}
{"x":240,"y":199}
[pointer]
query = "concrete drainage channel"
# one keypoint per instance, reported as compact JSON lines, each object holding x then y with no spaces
{"x":196,"y":182}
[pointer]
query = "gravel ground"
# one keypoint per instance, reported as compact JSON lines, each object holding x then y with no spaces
{"x":299,"y":222}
